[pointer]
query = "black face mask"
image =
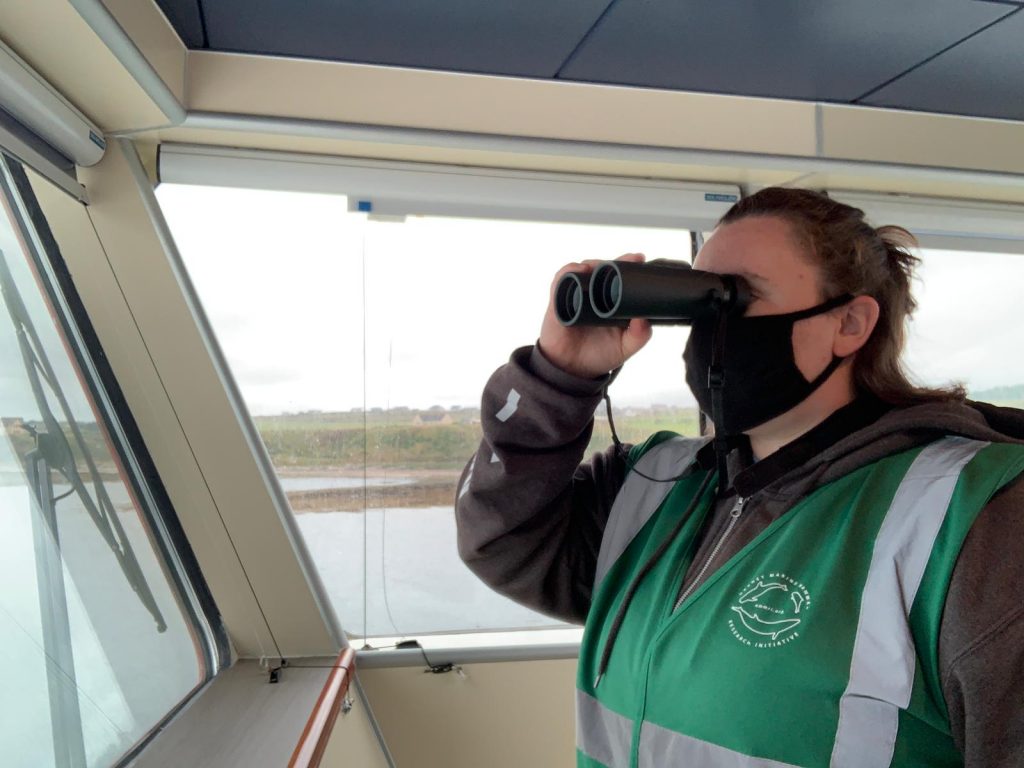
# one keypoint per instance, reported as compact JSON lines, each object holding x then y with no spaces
{"x":760,"y":379}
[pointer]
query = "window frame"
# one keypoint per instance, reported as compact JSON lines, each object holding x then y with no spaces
{"x":166,"y":534}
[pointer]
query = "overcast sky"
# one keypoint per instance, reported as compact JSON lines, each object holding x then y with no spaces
{"x":446,"y":300}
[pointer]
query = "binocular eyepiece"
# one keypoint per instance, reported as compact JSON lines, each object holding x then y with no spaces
{"x":663,"y":291}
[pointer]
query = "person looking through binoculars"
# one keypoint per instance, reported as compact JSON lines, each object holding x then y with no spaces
{"x":830,"y":577}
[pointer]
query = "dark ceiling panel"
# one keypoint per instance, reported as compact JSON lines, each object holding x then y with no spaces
{"x":825,"y":50}
{"x":184,"y":17}
{"x":983,"y":76}
{"x":528,"y":38}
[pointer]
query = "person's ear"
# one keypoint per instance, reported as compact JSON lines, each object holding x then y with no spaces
{"x":859,"y":318}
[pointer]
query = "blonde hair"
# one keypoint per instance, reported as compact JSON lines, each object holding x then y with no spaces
{"x":853,"y":257}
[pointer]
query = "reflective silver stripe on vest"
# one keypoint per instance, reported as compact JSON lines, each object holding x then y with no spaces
{"x":639,"y":498}
{"x":606,"y":736}
{"x":660,"y":747}
{"x":883,"y":664}
{"x":601,"y":734}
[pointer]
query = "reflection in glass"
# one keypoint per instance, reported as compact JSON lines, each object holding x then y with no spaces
{"x":96,"y":639}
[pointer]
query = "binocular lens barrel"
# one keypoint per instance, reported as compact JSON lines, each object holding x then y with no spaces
{"x":573,"y":305}
{"x":606,"y":287}
{"x":662,"y":291}
{"x":569,"y":296}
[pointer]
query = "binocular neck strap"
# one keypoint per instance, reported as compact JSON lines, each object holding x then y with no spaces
{"x":716,"y":385}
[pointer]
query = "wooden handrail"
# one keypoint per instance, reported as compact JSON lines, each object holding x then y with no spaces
{"x":313,"y":742}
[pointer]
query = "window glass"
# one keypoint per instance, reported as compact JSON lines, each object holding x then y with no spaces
{"x":98,"y":641}
{"x":361,"y":348}
{"x":967,"y":328}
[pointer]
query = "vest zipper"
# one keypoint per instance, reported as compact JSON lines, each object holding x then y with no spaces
{"x":734,"y":515}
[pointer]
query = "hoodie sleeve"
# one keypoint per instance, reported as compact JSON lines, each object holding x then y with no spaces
{"x":529,"y":515}
{"x":981,"y":641}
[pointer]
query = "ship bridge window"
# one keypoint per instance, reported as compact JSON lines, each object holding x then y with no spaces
{"x":361,"y":308}
{"x":361,"y":343}
{"x":967,"y":323}
{"x":100,"y":628}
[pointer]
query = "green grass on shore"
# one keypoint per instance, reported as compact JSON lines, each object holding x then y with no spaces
{"x":340,"y":440}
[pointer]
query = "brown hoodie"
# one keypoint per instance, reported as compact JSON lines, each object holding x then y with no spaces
{"x":530,"y":519}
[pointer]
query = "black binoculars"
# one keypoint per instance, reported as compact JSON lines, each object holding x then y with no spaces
{"x":663,"y":291}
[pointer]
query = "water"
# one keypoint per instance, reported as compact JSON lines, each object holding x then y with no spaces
{"x":415,"y":582}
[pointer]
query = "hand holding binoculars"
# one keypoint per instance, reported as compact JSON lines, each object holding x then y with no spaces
{"x":663,"y":291}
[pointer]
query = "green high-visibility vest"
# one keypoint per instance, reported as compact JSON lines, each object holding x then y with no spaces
{"x":815,"y":645}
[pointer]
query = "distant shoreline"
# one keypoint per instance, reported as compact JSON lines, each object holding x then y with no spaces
{"x":432,"y":488}
{"x":368,"y":472}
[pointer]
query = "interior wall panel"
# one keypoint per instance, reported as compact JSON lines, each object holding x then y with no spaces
{"x":54,"y":39}
{"x":499,"y":715}
{"x":911,"y":138}
{"x":353,"y":743}
{"x":384,"y":96}
{"x":155,"y":38}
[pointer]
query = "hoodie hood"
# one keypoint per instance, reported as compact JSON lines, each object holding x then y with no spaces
{"x":896,"y":430}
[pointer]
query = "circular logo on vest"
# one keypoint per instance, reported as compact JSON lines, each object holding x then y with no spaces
{"x":769,"y":611}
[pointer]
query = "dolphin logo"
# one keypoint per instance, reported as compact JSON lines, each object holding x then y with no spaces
{"x":755,"y":593}
{"x":772,"y":629}
{"x":798,"y":600}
